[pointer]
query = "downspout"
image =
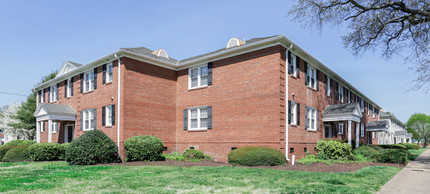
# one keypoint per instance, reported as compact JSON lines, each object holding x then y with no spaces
{"x":119,"y":104}
{"x":286,"y":106}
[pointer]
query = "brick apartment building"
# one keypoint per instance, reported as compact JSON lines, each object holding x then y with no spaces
{"x":263,"y":91}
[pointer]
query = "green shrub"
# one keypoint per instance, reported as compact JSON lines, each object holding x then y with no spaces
{"x":17,"y":154}
{"x":374,"y":147}
{"x":399,"y":156}
{"x":174,"y":156}
{"x":366,"y":151}
{"x":20,"y":142}
{"x":91,"y":148}
{"x":45,"y":151}
{"x":193,"y":154}
{"x":411,"y":146}
{"x":63,"y":148}
{"x":393,"y":146}
{"x":333,"y":150}
{"x":256,"y":156}
{"x":3,"y":151}
{"x":143,"y":148}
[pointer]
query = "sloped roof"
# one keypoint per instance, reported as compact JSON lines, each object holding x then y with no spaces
{"x":387,"y":115}
{"x":54,"y":109}
{"x":67,"y":67}
{"x":148,"y":52}
{"x":375,"y":126}
{"x":399,"y":133}
{"x":341,"y":108}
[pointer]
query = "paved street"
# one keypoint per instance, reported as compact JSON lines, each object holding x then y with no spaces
{"x":414,"y":178}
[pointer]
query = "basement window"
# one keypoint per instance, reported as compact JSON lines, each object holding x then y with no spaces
{"x":291,"y":150}
{"x":233,"y":148}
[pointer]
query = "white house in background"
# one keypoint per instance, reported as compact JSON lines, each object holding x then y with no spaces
{"x":6,"y":132}
{"x":396,"y":132}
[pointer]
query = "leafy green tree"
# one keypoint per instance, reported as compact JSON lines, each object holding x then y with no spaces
{"x":419,"y":126}
{"x":395,"y":26}
{"x":26,"y":124}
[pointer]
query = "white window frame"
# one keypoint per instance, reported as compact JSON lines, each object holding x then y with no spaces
{"x":54,"y":127}
{"x":88,"y":116}
{"x":89,"y":79}
{"x":349,"y":96}
{"x":362,"y":130}
{"x":373,"y":112}
{"x":312,"y":119}
{"x":293,"y":65}
{"x":199,"y":77}
{"x":199,"y":118}
{"x":328,"y":86}
{"x":69,"y":88}
{"x":42,"y":96}
{"x":109,"y":72}
{"x":53,"y":95}
{"x":312,"y":75}
{"x":368,"y":109}
{"x":362,"y":105}
{"x":293,"y":115}
{"x":373,"y":135}
{"x":340,"y":91}
{"x":340,"y":128}
{"x":108,"y":115}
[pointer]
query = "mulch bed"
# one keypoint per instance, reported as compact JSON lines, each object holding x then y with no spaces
{"x":315,"y":167}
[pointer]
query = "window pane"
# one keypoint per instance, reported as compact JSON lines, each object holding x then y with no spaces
{"x":204,"y":80}
{"x":204,"y":70}
{"x":203,"y":123}
{"x":193,"y":123}
{"x":193,"y":113}
{"x":194,"y":82}
{"x":194,"y":73}
{"x":203,"y":113}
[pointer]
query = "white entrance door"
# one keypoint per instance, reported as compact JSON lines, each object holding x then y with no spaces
{"x":327,"y":131}
{"x":68,"y":133}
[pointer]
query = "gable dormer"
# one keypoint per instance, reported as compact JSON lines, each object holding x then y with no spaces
{"x":67,"y":67}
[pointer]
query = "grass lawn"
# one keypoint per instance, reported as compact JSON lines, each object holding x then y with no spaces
{"x":58,"y":177}
{"x":416,"y":153}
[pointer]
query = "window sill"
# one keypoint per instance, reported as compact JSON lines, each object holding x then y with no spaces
{"x":87,"y":129}
{"x":88,"y":92}
{"x":197,"y":88}
{"x":110,"y":126}
{"x":294,"y":77}
{"x":311,"y":88}
{"x":108,"y":83}
{"x":197,"y":130}
{"x":311,"y":130}
{"x":293,"y":125}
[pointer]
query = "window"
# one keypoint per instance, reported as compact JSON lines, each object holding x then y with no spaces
{"x":89,"y":119}
{"x":340,"y":128}
{"x":109,"y":73}
{"x":362,"y":105}
{"x":362,"y":129}
{"x":53,"y":93}
{"x":198,"y":118}
{"x":328,"y":86}
{"x":373,"y":135}
{"x":108,"y":115}
{"x":198,"y":77}
{"x":1,"y":130}
{"x":312,"y":116}
{"x":42,"y":96}
{"x":54,"y":127}
{"x":293,"y":65}
{"x":373,"y":112}
{"x":89,"y":81}
{"x":368,"y":109}
{"x":69,"y":88}
{"x":311,"y":76}
{"x":293,"y":115}
{"x":340,"y":92}
{"x":42,"y":126}
{"x":349,"y":96}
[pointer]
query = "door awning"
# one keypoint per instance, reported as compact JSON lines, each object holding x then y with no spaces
{"x":377,"y":126}
{"x":342,"y":112}
{"x":54,"y":112}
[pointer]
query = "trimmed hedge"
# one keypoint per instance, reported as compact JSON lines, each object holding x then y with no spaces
{"x":193,"y":154}
{"x":143,"y":148}
{"x":45,"y":151}
{"x":366,"y":151}
{"x":399,"y":156}
{"x":3,"y":151}
{"x":19,"y":142}
{"x":63,"y":147}
{"x":256,"y":156}
{"x":374,"y":147}
{"x":91,"y":148}
{"x":328,"y":149}
{"x":393,"y":146}
{"x":411,"y":146}
{"x":17,"y":154}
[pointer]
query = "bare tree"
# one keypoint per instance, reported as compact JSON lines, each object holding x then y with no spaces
{"x":395,"y":26}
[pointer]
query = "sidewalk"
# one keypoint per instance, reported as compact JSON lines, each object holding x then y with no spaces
{"x":414,"y":178}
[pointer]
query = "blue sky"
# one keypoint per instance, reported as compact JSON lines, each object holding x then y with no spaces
{"x":36,"y":37}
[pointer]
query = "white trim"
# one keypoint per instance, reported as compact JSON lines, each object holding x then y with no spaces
{"x":110,"y":64}
{"x":108,"y":110}
{"x":49,"y":131}
{"x":340,"y":126}
{"x":346,"y":117}
{"x":38,"y":132}
{"x":199,"y":108}
{"x":66,"y":134}
{"x":198,"y":77}
{"x":56,"y":117}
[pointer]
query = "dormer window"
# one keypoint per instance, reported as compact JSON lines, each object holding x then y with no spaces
{"x":161,"y":53}
{"x":234,"y":42}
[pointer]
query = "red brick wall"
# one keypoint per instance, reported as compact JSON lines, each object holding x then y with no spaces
{"x":245,"y":98}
